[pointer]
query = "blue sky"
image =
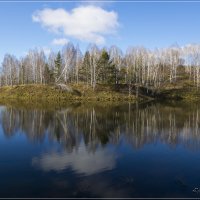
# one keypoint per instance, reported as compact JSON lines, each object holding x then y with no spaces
{"x":28,"y":25}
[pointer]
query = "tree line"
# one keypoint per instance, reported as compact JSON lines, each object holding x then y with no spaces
{"x":137,"y":66}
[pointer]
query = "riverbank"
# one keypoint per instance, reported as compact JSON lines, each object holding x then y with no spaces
{"x":35,"y":93}
{"x":179,"y":91}
{"x":51,"y":93}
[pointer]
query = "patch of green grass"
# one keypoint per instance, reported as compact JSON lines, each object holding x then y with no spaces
{"x":48,"y":93}
{"x":37,"y":93}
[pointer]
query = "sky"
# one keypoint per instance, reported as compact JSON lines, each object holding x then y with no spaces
{"x":50,"y":25}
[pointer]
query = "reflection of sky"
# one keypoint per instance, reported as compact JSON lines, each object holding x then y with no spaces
{"x":79,"y":160}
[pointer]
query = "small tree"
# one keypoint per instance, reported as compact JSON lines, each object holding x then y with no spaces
{"x":58,"y":66}
{"x":107,"y":70}
{"x":84,"y":71}
{"x":48,"y":75}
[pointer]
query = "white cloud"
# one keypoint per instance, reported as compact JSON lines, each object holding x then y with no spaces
{"x":81,"y":161}
{"x":86,"y":23}
{"x":60,"y":41}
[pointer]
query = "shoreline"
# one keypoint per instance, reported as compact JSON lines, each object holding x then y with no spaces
{"x":49,"y":94}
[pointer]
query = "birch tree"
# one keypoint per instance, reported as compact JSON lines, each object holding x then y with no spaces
{"x":94,"y":58}
{"x":69,"y":61}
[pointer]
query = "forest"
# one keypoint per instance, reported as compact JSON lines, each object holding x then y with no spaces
{"x":138,"y":66}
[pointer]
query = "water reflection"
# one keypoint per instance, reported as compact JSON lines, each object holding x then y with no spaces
{"x":80,"y":160}
{"x":100,"y":125}
{"x":98,"y":150}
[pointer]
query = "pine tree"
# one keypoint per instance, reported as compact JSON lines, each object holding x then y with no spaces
{"x":58,"y":65}
{"x":85,"y":69}
{"x":106,"y":69}
{"x":48,"y":74}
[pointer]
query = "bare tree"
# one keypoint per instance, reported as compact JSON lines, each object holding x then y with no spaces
{"x":69,"y":59}
{"x":116,"y":56}
{"x":94,"y":57}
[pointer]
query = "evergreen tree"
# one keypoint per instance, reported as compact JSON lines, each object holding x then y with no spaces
{"x":85,"y":71}
{"x":58,"y":66}
{"x":48,"y":75}
{"x":106,"y":69}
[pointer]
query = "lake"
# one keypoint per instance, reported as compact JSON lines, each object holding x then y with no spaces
{"x":100,"y":150}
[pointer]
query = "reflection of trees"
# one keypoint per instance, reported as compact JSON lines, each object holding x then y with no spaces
{"x":97,"y":125}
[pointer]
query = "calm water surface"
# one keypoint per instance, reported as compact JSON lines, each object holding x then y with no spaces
{"x":100,"y":150}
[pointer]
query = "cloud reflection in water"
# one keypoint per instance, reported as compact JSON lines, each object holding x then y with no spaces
{"x":80,"y":160}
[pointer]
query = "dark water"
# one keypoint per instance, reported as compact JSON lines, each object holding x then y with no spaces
{"x":100,"y":151}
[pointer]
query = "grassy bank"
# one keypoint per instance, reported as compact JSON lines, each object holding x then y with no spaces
{"x":42,"y":94}
{"x":49,"y":93}
{"x":182,"y":90}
